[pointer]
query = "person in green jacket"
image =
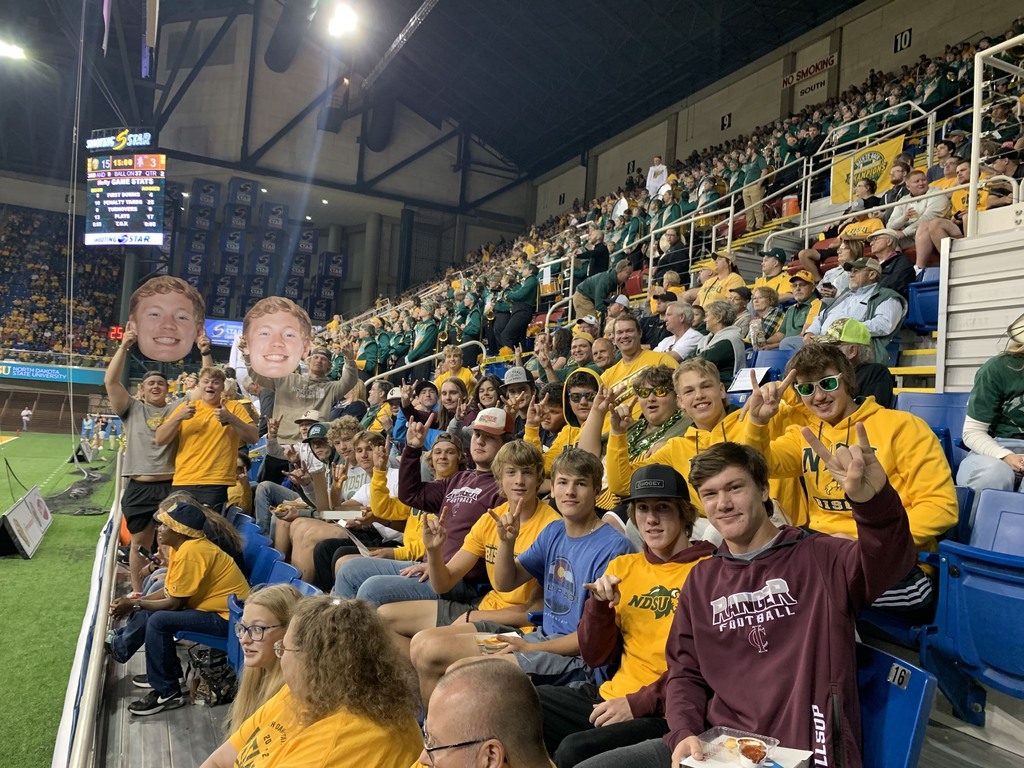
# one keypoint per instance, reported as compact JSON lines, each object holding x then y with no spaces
{"x":591,"y":296}
{"x":523,"y":300}
{"x":366,"y":357}
{"x":472,"y":329}
{"x":424,"y":336}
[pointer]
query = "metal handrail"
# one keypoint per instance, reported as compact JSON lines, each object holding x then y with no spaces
{"x":83,"y":725}
{"x":981,"y":58}
{"x":560,"y":302}
{"x":429,"y":358}
{"x":825,"y":221}
{"x":825,"y":144}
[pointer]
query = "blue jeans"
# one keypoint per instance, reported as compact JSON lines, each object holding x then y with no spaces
{"x":376,"y":581}
{"x":269,"y":495}
{"x":981,"y":472}
{"x":156,"y":630}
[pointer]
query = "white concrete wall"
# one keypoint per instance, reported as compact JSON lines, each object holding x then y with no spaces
{"x":613,"y":162}
{"x":557,"y":194}
{"x":16,"y":189}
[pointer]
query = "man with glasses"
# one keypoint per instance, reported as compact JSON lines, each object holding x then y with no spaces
{"x":903,"y":444}
{"x":626,"y":336}
{"x":484,"y":713}
{"x":880,"y":309}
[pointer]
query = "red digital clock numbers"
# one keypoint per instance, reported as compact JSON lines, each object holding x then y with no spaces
{"x":116,"y":332}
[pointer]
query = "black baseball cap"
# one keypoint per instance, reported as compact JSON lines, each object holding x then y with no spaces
{"x":657,"y":481}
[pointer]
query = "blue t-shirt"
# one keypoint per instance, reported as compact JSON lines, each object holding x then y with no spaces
{"x":563,"y":565}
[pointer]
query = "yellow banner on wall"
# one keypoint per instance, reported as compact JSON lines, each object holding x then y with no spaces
{"x":872,"y":163}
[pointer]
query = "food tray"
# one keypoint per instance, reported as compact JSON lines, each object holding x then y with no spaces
{"x":711,"y":741}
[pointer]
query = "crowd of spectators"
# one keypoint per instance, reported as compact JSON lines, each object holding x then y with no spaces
{"x":34,"y":293}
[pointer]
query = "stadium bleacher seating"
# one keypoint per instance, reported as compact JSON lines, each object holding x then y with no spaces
{"x":895,"y":701}
{"x":944,"y":413}
{"x":978,"y":633}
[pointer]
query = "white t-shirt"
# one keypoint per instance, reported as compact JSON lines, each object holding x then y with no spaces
{"x":683,"y":346}
{"x":362,"y":496}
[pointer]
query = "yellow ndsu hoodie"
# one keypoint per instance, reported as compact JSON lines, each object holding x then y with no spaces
{"x":905,"y":446}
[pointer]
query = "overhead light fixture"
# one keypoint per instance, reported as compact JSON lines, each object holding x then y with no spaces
{"x":263,"y":190}
{"x":324,"y":201}
{"x":309,"y":218}
{"x":11,"y":51}
{"x":344,"y":22}
{"x":184,"y":194}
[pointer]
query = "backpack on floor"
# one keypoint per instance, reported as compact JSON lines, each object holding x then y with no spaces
{"x":210,"y":679}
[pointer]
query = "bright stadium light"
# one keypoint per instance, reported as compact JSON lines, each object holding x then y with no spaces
{"x":344,"y":21}
{"x":10,"y":51}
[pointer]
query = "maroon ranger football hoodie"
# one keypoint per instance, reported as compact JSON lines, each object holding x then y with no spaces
{"x":768,"y":646}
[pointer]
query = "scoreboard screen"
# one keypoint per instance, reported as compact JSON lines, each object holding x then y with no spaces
{"x":126,"y":200}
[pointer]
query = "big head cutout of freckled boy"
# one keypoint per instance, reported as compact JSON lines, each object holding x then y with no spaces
{"x":167,"y":314}
{"x":278,"y":334}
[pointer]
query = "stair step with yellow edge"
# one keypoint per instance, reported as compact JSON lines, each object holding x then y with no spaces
{"x":913,"y":370}
{"x":925,"y":390}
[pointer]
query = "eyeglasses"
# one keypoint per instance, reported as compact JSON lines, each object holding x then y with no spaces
{"x":576,"y":397}
{"x":431,"y":750}
{"x":255,"y":632}
{"x":644,"y":392}
{"x":279,"y":649}
{"x":827,"y":384}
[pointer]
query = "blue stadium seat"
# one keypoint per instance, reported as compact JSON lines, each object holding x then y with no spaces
{"x":895,"y":701}
{"x":923,"y":307}
{"x":945,"y":414}
{"x":231,"y":514}
{"x":307,"y":590}
{"x":235,"y":658}
{"x":265,"y":560}
{"x":776,"y":359}
{"x":965,"y":502}
{"x":241,"y":517}
{"x":931,"y":274}
{"x":978,"y":635}
{"x":283,"y":573}
{"x":252,"y":542}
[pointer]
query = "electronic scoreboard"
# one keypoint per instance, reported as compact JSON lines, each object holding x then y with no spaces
{"x":126,"y":190}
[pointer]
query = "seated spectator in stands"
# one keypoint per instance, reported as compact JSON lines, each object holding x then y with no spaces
{"x":377,"y":406}
{"x":683,"y":338}
{"x":904,"y":444}
{"x":567,"y":554}
{"x":705,"y":270}
{"x":518,"y":391}
{"x":626,"y":623}
{"x":240,"y":494}
{"x":994,"y":426}
{"x":605,"y":353}
{"x":593,"y":294}
{"x":653,"y":327}
{"x":470,"y":708}
{"x":740,"y":296}
{"x":552,"y":418}
{"x":264,"y":619}
{"x":1001,"y":125}
{"x":948,"y":178}
{"x":897,"y":271}
{"x":773,"y":274}
{"x":674,"y":255}
{"x":723,"y":345}
{"x":854,"y":340}
{"x":913,"y":212}
{"x":296,"y":456}
{"x":199,"y":578}
{"x":348,"y":698}
{"x":208,"y":431}
{"x":580,"y":356}
{"x":944,"y":150}
{"x":577,"y":399}
{"x":596,"y":260}
{"x":1006,"y":162}
{"x":864,"y":198}
{"x":795,"y":318}
{"x":519,"y":469}
{"x":835,"y":280}
{"x":765,"y":330}
{"x":897,"y":189}
{"x":617,"y":307}
{"x":880,"y":309}
{"x":726,"y":277}
{"x":633,"y":356}
{"x":354,"y":403}
{"x":467,"y":495}
{"x":712,"y":663}
{"x":962,"y":144}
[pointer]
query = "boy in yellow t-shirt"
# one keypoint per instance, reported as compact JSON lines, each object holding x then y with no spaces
{"x":519,"y":469}
{"x":627,"y":620}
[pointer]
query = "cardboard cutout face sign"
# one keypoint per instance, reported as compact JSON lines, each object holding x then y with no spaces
{"x":167,"y":315}
{"x":278,"y":335}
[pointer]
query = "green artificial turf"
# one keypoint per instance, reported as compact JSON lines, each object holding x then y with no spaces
{"x":42,"y":600}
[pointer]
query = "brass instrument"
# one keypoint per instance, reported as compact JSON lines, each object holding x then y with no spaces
{"x":623,"y":390}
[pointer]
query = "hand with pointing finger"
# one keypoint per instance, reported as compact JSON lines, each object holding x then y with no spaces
{"x":763,"y":402}
{"x":606,"y":589}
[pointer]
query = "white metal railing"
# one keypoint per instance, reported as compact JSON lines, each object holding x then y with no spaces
{"x":428,"y":359}
{"x":987,"y":57}
{"x":77,"y":731}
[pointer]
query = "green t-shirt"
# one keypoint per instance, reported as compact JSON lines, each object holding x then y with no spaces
{"x":752,"y":169}
{"x":998,"y":396}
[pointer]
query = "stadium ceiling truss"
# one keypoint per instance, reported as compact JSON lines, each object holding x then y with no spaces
{"x":522,"y":86}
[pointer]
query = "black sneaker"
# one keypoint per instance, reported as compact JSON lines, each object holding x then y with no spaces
{"x":141,"y":681}
{"x":154,"y":702}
